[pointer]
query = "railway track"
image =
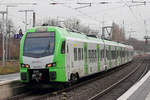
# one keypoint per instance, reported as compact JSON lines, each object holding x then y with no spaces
{"x":99,"y":95}
{"x":68,"y":93}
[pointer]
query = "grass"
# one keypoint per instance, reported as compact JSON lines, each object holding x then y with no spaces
{"x":11,"y":67}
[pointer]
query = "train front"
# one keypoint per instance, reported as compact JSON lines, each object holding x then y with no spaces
{"x":36,"y":55}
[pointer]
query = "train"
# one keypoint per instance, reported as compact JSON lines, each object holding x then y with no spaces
{"x":56,"y":54}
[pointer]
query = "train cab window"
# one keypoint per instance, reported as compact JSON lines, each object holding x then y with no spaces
{"x":63,"y":47}
{"x":75,"y":54}
{"x":39,"y":44}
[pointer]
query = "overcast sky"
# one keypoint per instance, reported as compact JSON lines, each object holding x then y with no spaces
{"x":116,"y":11}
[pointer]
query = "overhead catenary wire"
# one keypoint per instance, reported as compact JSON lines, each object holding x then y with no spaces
{"x":89,"y":4}
{"x":95,"y":19}
{"x":84,"y":14}
{"x":132,"y":12}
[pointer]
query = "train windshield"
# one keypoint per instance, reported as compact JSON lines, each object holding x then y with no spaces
{"x":39,"y":44}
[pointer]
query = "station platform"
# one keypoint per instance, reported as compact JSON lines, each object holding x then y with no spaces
{"x":15,"y":76}
{"x":139,"y":91}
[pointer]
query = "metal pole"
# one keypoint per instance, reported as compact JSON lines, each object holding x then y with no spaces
{"x":3,"y":40}
{"x":103,"y":32}
{"x":3,"y":31}
{"x":25,"y":20}
{"x":9,"y":27}
{"x":34,"y":19}
{"x":26,"y":17}
{"x":6,"y":32}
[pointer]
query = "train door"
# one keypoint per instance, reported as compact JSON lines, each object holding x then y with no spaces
{"x":92,"y":61}
{"x":69,"y":56}
{"x":80,"y":63}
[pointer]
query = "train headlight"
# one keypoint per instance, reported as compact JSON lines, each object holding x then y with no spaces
{"x":51,"y":64}
{"x":25,"y":65}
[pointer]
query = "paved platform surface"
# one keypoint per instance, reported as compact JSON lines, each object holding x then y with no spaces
{"x":9,"y":77}
{"x":148,"y":96}
{"x":139,"y":91}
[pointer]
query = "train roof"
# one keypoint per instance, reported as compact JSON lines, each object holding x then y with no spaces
{"x":78,"y":36}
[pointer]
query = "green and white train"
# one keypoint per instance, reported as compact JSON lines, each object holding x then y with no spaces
{"x":54,"y":54}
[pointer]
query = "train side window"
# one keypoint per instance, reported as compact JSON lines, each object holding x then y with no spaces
{"x":75,"y":54}
{"x":107,"y":54}
{"x":95,"y":54}
{"x":63,"y":47}
{"x":111,"y":54}
{"x":67,"y":49}
{"x":117,"y":54}
{"x":114,"y":54}
{"x":120,"y":53}
{"x":79,"y":53}
{"x":82,"y":53}
{"x":89,"y":55}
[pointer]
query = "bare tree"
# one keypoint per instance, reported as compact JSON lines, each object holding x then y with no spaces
{"x":72,"y":23}
{"x":118,"y":33}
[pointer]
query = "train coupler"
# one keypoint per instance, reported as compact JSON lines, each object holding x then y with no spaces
{"x":37,"y":76}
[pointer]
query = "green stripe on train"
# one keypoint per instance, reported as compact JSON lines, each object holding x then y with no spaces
{"x":98,"y":53}
{"x":86,"y":59}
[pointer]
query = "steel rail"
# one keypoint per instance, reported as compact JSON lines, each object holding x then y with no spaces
{"x":95,"y":97}
{"x":75,"y":86}
{"x":145,"y":71}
